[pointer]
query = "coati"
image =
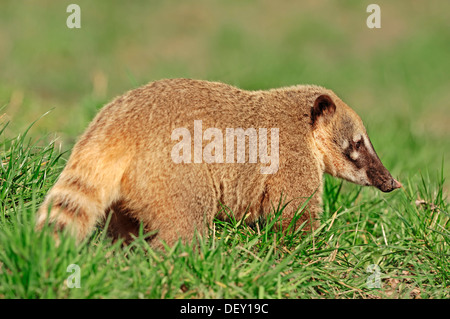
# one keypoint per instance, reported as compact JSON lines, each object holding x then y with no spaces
{"x":124,"y":163}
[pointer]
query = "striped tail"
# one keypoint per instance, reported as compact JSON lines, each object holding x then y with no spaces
{"x":85,"y":189}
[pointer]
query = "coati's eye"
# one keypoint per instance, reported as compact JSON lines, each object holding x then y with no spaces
{"x":358,"y":145}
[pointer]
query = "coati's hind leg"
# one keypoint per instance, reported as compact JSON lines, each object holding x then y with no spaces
{"x":122,"y":223}
{"x":125,"y":218}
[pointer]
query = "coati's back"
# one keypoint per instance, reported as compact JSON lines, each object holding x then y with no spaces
{"x":107,"y":166}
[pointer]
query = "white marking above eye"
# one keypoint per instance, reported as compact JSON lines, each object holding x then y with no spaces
{"x":357,"y":138}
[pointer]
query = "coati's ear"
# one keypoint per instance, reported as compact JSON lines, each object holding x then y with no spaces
{"x":323,"y":109}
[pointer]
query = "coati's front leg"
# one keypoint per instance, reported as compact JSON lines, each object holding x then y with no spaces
{"x":302,"y":201}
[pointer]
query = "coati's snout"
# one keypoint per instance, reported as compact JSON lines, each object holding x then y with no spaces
{"x":378,"y":175}
{"x":347,"y":151}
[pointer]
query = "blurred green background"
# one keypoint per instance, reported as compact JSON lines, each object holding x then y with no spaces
{"x":396,"y":78}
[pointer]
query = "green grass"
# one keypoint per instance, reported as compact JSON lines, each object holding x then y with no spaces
{"x":396,"y":79}
{"x":409,"y":241}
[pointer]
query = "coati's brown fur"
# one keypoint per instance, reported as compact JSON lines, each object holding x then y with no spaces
{"x":122,"y":164}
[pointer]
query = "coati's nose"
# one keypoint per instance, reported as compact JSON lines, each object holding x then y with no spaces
{"x":390,"y":186}
{"x":396,"y":184}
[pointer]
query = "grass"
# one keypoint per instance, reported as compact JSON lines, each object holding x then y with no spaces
{"x":396,"y":79}
{"x":408,"y":240}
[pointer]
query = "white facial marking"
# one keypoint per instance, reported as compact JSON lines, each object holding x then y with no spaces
{"x":356,"y":138}
{"x":345,"y":144}
{"x":368,"y":145}
{"x":354,"y":155}
{"x":355,"y":176}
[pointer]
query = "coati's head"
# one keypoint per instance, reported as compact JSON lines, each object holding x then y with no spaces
{"x":342,"y":140}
